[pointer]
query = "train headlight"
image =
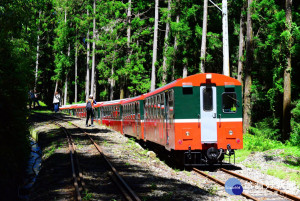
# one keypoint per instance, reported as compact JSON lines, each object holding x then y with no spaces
{"x":238,"y":140}
{"x":187,"y":133}
{"x":230,"y":132}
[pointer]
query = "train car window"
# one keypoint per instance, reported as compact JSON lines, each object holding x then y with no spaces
{"x":149,"y":108}
{"x":207,"y":99}
{"x":229,"y":102}
{"x":152,"y":108}
{"x":171,"y":104}
{"x":138,"y":109}
{"x":155,"y":107}
{"x":145,"y":109}
{"x":162,"y":105}
{"x":187,"y":90}
{"x":158,"y":106}
{"x":171,"y":95}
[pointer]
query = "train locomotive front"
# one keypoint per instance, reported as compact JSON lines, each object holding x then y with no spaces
{"x":207,"y":118}
{"x":199,"y":116}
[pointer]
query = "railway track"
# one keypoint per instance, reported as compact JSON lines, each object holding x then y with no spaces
{"x":124,"y":188}
{"x":263,"y":193}
{"x":76,"y":170}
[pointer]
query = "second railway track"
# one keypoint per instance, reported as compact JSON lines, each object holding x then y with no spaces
{"x":263,"y":192}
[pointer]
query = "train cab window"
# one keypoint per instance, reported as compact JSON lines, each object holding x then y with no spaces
{"x":229,"y":102}
{"x":187,"y":89}
{"x":207,"y":99}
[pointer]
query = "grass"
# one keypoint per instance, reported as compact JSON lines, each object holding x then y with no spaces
{"x":42,"y":111}
{"x":49,"y":151}
{"x":153,"y":186}
{"x":241,"y":155}
{"x":105,"y":143}
{"x":291,"y":154}
{"x":87,"y":195}
{"x":187,"y":173}
{"x":281,"y":173}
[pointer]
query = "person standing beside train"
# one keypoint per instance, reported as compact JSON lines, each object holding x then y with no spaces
{"x":56,"y":101}
{"x":90,"y":110}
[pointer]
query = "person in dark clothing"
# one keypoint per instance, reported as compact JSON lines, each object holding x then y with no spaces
{"x":31,"y":98}
{"x":36,"y":99}
{"x":90,"y":110}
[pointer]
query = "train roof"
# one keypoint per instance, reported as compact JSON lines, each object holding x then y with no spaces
{"x":190,"y":81}
{"x":113,"y":102}
{"x":197,"y":80}
{"x":137,"y":98}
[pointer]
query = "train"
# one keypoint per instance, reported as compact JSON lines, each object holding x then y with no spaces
{"x":197,"y":118}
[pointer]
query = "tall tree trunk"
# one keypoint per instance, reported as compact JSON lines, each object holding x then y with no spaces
{"x":129,"y":49}
{"x":153,"y":75}
{"x":226,"y":68}
{"x":241,"y":44}
{"x":93,"y":86}
{"x":37,"y":53}
{"x":185,"y":72}
{"x":66,"y":90}
{"x":56,"y":86}
{"x":164,"y":76}
{"x":248,"y":78}
{"x":129,"y":26}
{"x":203,"y":43}
{"x":76,"y":59}
{"x":122,"y":93}
{"x":66,"y":80}
{"x":112,"y":84}
{"x":87,"y":78}
{"x":286,"y":115}
{"x":175,"y":50}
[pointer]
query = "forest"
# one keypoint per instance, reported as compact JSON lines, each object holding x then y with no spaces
{"x":115,"y":49}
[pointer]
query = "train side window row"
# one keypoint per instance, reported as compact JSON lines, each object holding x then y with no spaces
{"x":155,"y":105}
{"x":131,"y":110}
{"x":112,"y":112}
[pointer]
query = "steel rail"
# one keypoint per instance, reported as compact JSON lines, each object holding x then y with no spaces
{"x":72,"y":153}
{"x":132,"y":195}
{"x":80,"y":173}
{"x":222,"y":183}
{"x":127,"y":187}
{"x":290,"y":196}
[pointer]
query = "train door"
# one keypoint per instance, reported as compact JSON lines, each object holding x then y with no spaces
{"x":208,"y":114}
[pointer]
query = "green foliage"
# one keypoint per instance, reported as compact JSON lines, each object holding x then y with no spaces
{"x":266,"y":128}
{"x":295,"y":124}
{"x":260,"y":143}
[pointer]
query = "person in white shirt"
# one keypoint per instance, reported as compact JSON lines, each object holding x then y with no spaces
{"x":56,"y":100}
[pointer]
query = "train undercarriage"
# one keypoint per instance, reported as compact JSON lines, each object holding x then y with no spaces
{"x":209,"y":157}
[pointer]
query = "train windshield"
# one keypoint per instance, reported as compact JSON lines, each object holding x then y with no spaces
{"x":207,"y":99}
{"x":229,"y":102}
